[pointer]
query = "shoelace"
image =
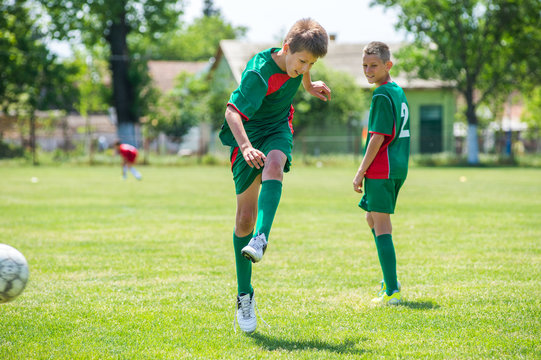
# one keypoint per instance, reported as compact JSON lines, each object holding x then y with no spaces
{"x":246,"y":311}
{"x":259,"y":244}
{"x":245,"y":306}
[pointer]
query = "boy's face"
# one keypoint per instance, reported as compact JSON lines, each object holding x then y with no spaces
{"x":298,"y":63}
{"x":375,"y":70}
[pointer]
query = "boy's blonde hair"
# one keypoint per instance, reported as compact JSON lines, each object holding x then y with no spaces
{"x":379,"y":49}
{"x":308,"y":35}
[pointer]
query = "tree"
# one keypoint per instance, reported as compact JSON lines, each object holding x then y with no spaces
{"x":349,"y":101}
{"x":532,"y":116}
{"x":176,"y":112}
{"x":486,"y":48}
{"x":31,"y":78}
{"x":18,"y":46}
{"x":209,"y":9}
{"x":112,"y":22}
{"x":94,"y":93}
{"x":197,"y":41}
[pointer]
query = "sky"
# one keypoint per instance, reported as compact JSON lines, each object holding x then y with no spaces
{"x":352,"y":21}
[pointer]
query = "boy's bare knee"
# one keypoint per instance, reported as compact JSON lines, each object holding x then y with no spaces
{"x":273,"y":170}
{"x":245,"y":223}
{"x":369,"y":220}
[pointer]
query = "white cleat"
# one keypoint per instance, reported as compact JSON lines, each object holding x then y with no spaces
{"x":246,"y":313}
{"x":255,"y":249}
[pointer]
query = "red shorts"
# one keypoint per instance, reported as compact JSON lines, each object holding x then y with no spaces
{"x":130,"y":157}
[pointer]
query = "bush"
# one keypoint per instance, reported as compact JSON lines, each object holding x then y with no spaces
{"x":9,"y":151}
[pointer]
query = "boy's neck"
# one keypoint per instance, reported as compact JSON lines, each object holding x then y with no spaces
{"x":385,"y":81}
{"x":280,"y":59}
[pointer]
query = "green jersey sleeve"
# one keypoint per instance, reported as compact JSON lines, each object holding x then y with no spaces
{"x":381,"y":115}
{"x":249,"y":95}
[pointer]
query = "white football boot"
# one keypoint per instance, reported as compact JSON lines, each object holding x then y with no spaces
{"x":255,"y":249}
{"x":246,"y":313}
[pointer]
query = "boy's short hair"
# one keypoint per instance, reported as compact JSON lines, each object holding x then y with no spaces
{"x":379,"y":49}
{"x":308,"y":35}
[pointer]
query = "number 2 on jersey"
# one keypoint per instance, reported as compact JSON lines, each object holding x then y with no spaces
{"x":405,"y":117}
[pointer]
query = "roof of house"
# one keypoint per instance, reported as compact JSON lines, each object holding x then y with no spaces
{"x":345,"y":57}
{"x":164,"y":73}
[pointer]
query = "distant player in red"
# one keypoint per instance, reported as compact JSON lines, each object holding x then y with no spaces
{"x":128,"y":154}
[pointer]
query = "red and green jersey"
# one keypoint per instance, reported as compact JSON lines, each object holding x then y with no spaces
{"x":263,"y":99}
{"x":389,"y":115}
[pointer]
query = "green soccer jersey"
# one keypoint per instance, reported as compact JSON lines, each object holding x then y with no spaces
{"x":389,"y":116}
{"x":263,"y":99}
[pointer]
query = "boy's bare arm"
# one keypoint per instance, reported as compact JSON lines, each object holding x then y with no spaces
{"x":252,"y":156}
{"x":376,"y":140}
{"x":317,"y":88}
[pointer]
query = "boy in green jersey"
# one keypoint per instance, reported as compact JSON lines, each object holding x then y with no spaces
{"x":258,"y":128}
{"x":385,"y":164}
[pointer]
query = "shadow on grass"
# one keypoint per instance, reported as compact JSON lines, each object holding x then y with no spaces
{"x":420,"y":305}
{"x":348,"y":346}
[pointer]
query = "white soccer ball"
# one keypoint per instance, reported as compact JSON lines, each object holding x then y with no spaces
{"x":13,"y":273}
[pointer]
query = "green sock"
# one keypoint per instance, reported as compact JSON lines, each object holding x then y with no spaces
{"x":387,"y":259}
{"x":373,"y":233}
{"x":243,"y":265}
{"x":269,"y":198}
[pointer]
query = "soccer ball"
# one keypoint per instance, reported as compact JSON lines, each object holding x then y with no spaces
{"x":13,"y":273}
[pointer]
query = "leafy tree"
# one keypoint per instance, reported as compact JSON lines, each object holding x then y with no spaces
{"x":18,"y":46}
{"x":532,"y":116}
{"x":95,"y":95}
{"x":348,"y":102}
{"x":31,"y":78}
{"x":90,"y":81}
{"x":209,"y":9}
{"x":197,"y":41}
{"x":176,"y":112}
{"x":192,"y":101}
{"x":99,"y":21}
{"x":486,"y":48}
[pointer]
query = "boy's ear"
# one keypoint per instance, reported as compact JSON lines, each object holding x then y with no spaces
{"x":285,"y":47}
{"x":388,"y":65}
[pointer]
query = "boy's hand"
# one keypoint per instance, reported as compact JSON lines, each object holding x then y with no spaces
{"x":320,"y":90}
{"x":254,"y":157}
{"x":358,"y":182}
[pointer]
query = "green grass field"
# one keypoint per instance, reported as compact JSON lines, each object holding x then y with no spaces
{"x":145,"y":270}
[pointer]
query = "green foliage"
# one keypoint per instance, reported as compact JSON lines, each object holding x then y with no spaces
{"x":103,"y":288}
{"x":486,"y":49}
{"x":90,"y":79}
{"x":532,"y":111}
{"x":197,"y":41}
{"x":103,"y":22}
{"x":8,"y":151}
{"x":92,"y":21}
{"x":484,"y":45}
{"x":348,"y":103}
{"x":30,"y":74}
{"x":176,"y":112}
{"x":193,"y":100}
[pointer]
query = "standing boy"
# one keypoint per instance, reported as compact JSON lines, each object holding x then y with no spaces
{"x":385,"y":164}
{"x":258,"y":128}
{"x":129,"y":154}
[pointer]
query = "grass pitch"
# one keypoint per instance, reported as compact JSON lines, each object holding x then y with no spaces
{"x":145,"y":270}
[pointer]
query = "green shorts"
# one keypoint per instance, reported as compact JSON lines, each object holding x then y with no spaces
{"x":243,"y":174}
{"x":380,"y":195}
